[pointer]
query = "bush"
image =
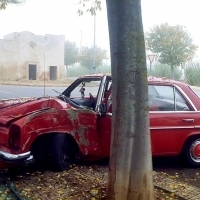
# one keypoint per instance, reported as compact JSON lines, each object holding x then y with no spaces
{"x":192,"y":74}
{"x":163,"y":70}
{"x":77,"y":71}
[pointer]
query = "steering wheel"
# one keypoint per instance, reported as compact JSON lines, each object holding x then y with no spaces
{"x":71,"y":102}
{"x":92,"y":100}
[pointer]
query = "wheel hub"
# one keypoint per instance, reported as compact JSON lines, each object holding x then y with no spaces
{"x":195,"y":151}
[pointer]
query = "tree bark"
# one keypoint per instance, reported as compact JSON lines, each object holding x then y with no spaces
{"x":130,"y":169}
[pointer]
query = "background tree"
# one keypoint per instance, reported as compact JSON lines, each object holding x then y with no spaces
{"x":71,"y":53}
{"x":172,"y":44}
{"x":4,"y":3}
{"x":87,"y":57}
{"x":164,"y":70}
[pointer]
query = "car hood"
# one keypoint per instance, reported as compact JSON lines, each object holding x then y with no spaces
{"x":14,"y":109}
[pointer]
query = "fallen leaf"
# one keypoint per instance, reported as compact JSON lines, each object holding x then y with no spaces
{"x":59,"y":191}
{"x":94,"y":192}
{"x":172,"y":194}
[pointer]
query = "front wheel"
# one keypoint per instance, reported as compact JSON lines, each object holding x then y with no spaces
{"x":62,"y":152}
{"x":191,"y":151}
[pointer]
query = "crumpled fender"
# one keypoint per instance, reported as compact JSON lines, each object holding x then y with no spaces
{"x":9,"y":114}
{"x":80,"y":123}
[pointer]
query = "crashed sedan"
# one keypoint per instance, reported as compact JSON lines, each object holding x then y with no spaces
{"x":77,"y":123}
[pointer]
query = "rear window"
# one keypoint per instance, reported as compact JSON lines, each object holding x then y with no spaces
{"x":166,"y":98}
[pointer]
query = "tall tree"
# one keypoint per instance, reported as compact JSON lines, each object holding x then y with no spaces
{"x":71,"y":53}
{"x":87,"y":57}
{"x":4,"y":3}
{"x":172,"y":44}
{"x":130,"y":168}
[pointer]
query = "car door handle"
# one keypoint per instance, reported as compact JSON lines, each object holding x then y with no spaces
{"x":188,"y":120}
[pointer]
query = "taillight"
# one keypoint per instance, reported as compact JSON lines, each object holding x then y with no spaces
{"x":14,"y":137}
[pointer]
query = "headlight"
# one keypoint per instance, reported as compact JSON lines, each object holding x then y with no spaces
{"x":14,"y":137}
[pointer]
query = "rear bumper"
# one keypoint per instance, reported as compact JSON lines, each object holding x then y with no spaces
{"x":12,"y":158}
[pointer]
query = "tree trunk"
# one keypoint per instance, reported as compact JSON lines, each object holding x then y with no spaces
{"x":130,"y":169}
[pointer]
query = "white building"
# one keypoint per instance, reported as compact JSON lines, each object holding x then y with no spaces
{"x":27,"y":56}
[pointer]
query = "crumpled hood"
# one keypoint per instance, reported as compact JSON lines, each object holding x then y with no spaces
{"x":12,"y":111}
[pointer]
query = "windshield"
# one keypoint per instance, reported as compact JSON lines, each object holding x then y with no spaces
{"x":82,"y":87}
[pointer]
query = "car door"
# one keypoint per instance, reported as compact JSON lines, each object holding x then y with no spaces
{"x":105,"y":120}
{"x":104,"y":129}
{"x":172,"y":118}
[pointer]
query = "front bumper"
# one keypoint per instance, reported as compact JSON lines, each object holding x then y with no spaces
{"x":12,"y":158}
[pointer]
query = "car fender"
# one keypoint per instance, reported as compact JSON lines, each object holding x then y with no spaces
{"x":185,"y":138}
{"x":80,"y":123}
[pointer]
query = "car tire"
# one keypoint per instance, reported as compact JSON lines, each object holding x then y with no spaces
{"x":62,"y":152}
{"x":191,"y":151}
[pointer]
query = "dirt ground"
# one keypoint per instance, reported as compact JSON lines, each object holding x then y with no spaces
{"x":88,"y":181}
{"x":175,"y":168}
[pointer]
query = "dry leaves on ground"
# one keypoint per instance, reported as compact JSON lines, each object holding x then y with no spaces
{"x":78,"y":183}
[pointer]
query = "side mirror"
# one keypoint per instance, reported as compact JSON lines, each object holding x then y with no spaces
{"x":103,"y":108}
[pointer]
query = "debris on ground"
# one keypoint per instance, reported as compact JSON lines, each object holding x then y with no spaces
{"x":81,"y":182}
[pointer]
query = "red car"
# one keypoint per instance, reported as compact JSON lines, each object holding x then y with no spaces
{"x":77,"y":123}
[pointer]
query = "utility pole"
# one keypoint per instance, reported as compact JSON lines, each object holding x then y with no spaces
{"x":94,"y":52}
{"x":80,"y":50}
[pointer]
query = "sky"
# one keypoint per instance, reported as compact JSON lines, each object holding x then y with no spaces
{"x":59,"y":17}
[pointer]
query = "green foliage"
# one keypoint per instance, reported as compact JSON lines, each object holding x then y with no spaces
{"x":192,"y":74}
{"x":163,"y":70}
{"x":71,"y":53}
{"x":87,"y":57}
{"x":77,"y":71}
{"x":172,"y":44}
{"x":4,"y":3}
{"x":93,"y":7}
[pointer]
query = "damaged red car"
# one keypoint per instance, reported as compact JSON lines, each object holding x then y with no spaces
{"x":77,"y":123}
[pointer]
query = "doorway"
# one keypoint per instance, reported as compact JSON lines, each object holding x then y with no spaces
{"x":32,"y":72}
{"x":53,"y":72}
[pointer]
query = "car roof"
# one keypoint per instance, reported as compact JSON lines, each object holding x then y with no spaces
{"x":95,"y":75}
{"x":151,"y":79}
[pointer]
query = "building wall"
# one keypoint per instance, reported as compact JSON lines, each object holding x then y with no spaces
{"x":19,"y":50}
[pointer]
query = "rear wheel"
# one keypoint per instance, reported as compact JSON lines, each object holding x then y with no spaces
{"x":62,"y":151}
{"x":191,"y":151}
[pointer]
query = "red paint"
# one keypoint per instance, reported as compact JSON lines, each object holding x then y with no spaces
{"x":197,"y":150}
{"x":21,"y":122}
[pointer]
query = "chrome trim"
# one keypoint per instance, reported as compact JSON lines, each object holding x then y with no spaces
{"x":8,"y":157}
{"x":179,"y":111}
{"x":188,"y":120}
{"x":100,"y":94}
{"x":185,"y":95}
{"x":30,"y":158}
{"x":173,"y":127}
{"x":175,"y":101}
{"x":108,"y":114}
